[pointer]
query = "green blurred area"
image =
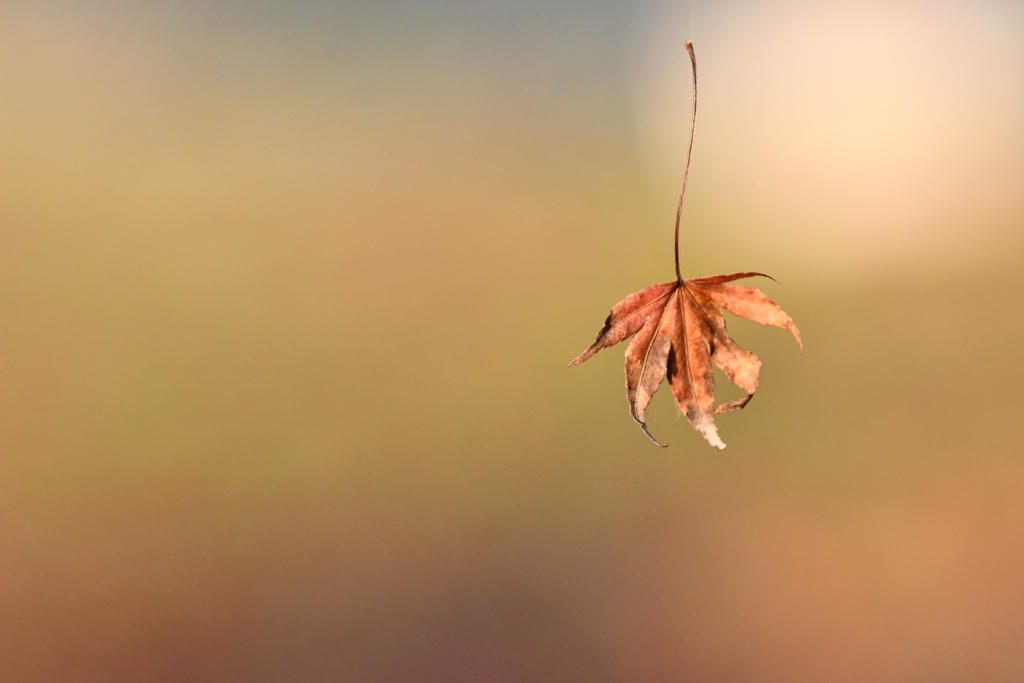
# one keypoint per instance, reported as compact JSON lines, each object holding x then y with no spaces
{"x":284,"y":397}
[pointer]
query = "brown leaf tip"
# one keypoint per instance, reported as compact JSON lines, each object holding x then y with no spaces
{"x":733,"y":405}
{"x":643,"y":426}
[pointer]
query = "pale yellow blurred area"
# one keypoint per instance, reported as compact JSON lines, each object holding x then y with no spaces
{"x":287,"y":295}
{"x":848,"y":136}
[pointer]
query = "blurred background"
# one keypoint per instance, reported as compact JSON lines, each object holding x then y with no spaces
{"x":288,"y":291}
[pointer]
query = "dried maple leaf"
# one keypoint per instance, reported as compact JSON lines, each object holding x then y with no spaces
{"x":680,"y":331}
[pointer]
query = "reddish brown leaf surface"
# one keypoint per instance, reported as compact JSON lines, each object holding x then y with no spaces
{"x":679,"y":332}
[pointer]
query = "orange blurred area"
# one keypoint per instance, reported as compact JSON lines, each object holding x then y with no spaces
{"x":287,"y":298}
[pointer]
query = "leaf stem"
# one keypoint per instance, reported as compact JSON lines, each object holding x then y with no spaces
{"x":689,"y":153}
